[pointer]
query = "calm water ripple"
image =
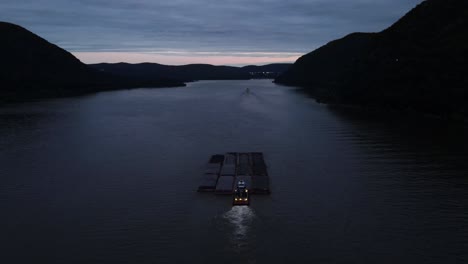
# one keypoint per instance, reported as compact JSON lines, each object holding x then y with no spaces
{"x":111,"y":178}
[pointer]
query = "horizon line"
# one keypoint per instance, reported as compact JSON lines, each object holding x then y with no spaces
{"x":178,"y":58}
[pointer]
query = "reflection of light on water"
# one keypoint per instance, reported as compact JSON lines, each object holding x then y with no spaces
{"x":239,"y":217}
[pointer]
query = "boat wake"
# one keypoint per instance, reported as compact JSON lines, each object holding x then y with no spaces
{"x":239,"y":218}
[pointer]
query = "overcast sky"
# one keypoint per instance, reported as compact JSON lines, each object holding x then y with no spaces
{"x":233,"y":32}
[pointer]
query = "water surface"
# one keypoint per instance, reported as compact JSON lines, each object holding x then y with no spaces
{"x":111,"y":178}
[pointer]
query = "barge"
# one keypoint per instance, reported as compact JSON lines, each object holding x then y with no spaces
{"x":223,"y":173}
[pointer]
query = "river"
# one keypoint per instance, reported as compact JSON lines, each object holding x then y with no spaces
{"x":112,"y":178}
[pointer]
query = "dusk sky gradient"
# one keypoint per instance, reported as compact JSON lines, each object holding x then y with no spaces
{"x":205,"y":31}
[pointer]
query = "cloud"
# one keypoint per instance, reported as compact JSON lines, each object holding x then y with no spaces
{"x":189,"y":57}
{"x":229,"y":26}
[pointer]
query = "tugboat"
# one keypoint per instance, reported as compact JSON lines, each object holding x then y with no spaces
{"x":241,"y":194}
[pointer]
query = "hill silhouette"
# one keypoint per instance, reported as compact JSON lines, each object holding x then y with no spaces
{"x":269,"y":71}
{"x":191,"y":72}
{"x":420,"y":63}
{"x":30,"y":65}
{"x":31,"y":68}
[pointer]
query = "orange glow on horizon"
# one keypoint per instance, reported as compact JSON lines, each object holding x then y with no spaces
{"x":182,"y":58}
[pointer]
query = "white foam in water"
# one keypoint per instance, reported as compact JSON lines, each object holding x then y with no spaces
{"x":240,"y":217}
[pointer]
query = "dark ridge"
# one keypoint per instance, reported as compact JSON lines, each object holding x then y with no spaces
{"x":269,"y":71}
{"x":185,"y":73}
{"x":33,"y":68}
{"x":274,"y":67}
{"x":419,"y":64}
{"x":191,"y":72}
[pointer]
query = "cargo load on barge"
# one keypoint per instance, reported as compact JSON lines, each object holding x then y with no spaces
{"x":223,"y":173}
